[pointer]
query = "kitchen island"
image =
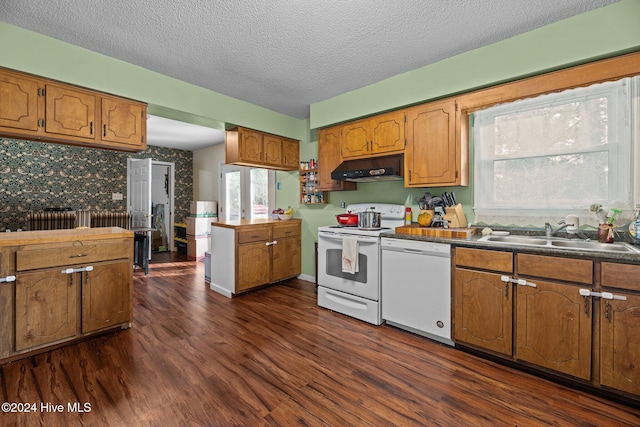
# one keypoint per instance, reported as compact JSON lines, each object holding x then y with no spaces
{"x":248,"y":254}
{"x":58,"y":286}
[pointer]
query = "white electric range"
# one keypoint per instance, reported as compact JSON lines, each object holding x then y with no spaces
{"x":355,"y":294}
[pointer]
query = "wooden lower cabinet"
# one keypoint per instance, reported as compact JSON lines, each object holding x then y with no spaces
{"x":253,"y":253}
{"x":483,"y":310}
{"x":106,"y":296}
{"x":45,"y":308}
{"x":554,"y":328}
{"x":68,"y":284}
{"x":619,"y":343}
{"x":254,"y":265}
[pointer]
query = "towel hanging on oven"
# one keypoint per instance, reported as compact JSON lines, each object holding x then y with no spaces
{"x":350,"y":250}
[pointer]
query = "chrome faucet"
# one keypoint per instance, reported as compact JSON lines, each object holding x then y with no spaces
{"x":549,"y":231}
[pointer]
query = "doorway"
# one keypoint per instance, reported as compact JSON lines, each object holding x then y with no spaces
{"x":157,"y":201}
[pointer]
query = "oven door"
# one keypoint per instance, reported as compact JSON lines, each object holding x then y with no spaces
{"x":366,"y":282}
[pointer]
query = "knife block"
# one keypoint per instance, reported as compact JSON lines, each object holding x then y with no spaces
{"x":454,"y":215}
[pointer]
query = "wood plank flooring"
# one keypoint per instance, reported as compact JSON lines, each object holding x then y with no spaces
{"x":274,"y":358}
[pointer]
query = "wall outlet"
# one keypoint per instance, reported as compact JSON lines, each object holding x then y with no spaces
{"x":116,"y":196}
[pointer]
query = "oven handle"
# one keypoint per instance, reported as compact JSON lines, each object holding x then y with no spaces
{"x":361,"y":239}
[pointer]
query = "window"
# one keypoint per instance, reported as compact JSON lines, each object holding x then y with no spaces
{"x":539,"y":159}
{"x":245,"y":193}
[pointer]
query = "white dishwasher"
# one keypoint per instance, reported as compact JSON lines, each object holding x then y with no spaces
{"x":416,"y":287}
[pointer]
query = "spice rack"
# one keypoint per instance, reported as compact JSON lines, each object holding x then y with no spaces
{"x":309,"y":193}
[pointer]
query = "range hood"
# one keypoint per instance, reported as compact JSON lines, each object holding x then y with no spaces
{"x":388,"y":168}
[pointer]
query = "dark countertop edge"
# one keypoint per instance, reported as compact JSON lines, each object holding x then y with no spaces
{"x":473,"y":242}
{"x":250,"y":222}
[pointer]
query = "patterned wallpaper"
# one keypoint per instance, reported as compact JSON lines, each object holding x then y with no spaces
{"x":38,"y":175}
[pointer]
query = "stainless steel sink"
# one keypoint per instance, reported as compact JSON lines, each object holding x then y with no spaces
{"x":560,"y":243}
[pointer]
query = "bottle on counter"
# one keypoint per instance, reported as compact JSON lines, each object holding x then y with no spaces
{"x":634,"y":226}
{"x":407,"y":216}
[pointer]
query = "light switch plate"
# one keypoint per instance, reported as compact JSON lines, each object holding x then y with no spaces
{"x":116,"y":196}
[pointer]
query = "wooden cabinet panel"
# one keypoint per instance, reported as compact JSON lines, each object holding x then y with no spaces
{"x":286,"y":258}
{"x":124,"y":122}
{"x":31,"y":259}
{"x":483,"y":307}
{"x":432,"y":156}
{"x":254,"y":234}
{"x":19,"y":106}
{"x":45,"y":308}
{"x":34,"y":108}
{"x":290,"y":154}
{"x":106,"y":296}
{"x":70,"y":112}
{"x":619,"y":344}
{"x":553,"y":328}
{"x":484,"y":259}
{"x":387,"y":133}
{"x":567,"y":269}
{"x":623,"y":276}
{"x":383,"y":134}
{"x":253,"y":265}
{"x":285,"y":230}
{"x":355,"y":138}
{"x":329,"y":159}
{"x":247,"y":147}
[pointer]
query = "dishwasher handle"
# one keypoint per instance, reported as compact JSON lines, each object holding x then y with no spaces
{"x":427,"y":251}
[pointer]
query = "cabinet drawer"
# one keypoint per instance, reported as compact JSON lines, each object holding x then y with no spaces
{"x":288,"y":230}
{"x":254,"y":234}
{"x":485,"y":260}
{"x":571,"y":270}
{"x":71,"y":255}
{"x":624,"y":276}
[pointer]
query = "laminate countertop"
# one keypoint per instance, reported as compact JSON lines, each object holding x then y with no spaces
{"x":474,"y":242}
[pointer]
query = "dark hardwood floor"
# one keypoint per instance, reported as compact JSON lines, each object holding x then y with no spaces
{"x":273,"y":357}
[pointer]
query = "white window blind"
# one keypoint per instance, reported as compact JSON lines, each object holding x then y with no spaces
{"x":539,"y":159}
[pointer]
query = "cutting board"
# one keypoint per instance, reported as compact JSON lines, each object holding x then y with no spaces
{"x":453,"y":233}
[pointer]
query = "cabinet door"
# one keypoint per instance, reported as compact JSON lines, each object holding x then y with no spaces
{"x":619,"y":344}
{"x":290,"y":154}
{"x":483,"y":310}
{"x":553,"y":328}
{"x":329,"y":159}
{"x":253,"y":266}
{"x":431,"y":157}
{"x":286,"y":258}
{"x":70,"y":112}
{"x":19,"y":106}
{"x":387,"y":133}
{"x":355,"y":140}
{"x":123,"y":122}
{"x":251,"y":146}
{"x":106,"y":296}
{"x":272,"y":150}
{"x":45,"y":307}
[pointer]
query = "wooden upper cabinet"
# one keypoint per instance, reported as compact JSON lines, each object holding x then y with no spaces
{"x":432,"y":156}
{"x":37,"y":109}
{"x":124,"y":122}
{"x":247,"y":147}
{"x":375,"y":136}
{"x":18,"y":102}
{"x":329,"y":159}
{"x":70,"y":112}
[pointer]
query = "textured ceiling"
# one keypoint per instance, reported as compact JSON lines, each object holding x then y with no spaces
{"x":285,"y":54}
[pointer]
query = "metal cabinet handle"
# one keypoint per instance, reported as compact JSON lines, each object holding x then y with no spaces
{"x":77,"y":255}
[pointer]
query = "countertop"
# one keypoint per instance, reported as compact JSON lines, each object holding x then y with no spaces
{"x":247,"y":222}
{"x":473,"y":242}
{"x":67,"y":235}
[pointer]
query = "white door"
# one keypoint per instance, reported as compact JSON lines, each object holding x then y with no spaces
{"x":140,"y":196}
{"x":245,"y":193}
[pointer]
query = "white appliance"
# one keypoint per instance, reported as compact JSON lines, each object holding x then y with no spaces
{"x":354,"y":294}
{"x":416,"y":287}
